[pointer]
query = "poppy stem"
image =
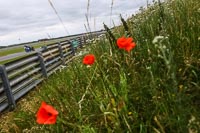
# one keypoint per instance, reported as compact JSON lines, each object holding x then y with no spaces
{"x":86,"y":91}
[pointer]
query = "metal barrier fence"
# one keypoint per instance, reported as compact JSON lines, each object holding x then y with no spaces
{"x":20,"y":76}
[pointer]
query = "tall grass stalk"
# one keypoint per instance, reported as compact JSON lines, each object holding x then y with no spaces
{"x":154,"y":88}
{"x":111,"y":10}
{"x":87,"y":16}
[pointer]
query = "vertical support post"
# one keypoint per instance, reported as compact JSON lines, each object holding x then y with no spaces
{"x":84,"y":39}
{"x":7,"y":87}
{"x":72,"y":48}
{"x":81,"y":44}
{"x":61,"y":53}
{"x":42,"y":65}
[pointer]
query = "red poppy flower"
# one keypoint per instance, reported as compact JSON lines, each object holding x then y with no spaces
{"x":126,"y":43}
{"x":46,"y":114}
{"x":89,"y":59}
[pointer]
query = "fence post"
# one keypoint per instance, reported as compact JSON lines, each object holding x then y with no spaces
{"x":84,"y":39}
{"x":7,"y":87}
{"x":61,"y":53}
{"x":72,"y":48}
{"x":81,"y":44}
{"x":42,"y":65}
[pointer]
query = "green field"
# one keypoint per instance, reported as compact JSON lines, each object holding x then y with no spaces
{"x":154,"y":88}
{"x":20,"y":48}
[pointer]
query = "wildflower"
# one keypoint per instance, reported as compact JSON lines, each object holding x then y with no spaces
{"x":89,"y":59}
{"x":157,"y":39}
{"x":46,"y":114}
{"x":130,"y":113}
{"x":126,"y":43}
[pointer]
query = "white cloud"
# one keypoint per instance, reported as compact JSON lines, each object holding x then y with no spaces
{"x":29,"y":20}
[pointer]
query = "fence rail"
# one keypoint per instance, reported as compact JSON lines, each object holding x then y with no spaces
{"x":20,"y":76}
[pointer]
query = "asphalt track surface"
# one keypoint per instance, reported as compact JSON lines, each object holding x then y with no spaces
{"x":11,"y":56}
{"x":7,"y":57}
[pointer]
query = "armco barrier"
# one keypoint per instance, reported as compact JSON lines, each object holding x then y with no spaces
{"x":20,"y":76}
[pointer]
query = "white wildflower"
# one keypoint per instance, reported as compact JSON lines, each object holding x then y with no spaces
{"x":157,"y":39}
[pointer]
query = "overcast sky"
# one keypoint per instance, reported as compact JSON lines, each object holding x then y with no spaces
{"x":30,"y":20}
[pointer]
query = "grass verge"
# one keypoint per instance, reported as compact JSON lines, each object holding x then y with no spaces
{"x":154,"y":88}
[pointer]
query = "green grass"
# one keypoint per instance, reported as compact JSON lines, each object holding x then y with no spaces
{"x":154,"y":88}
{"x":14,"y":59}
{"x":17,"y":49}
{"x":4,"y":52}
